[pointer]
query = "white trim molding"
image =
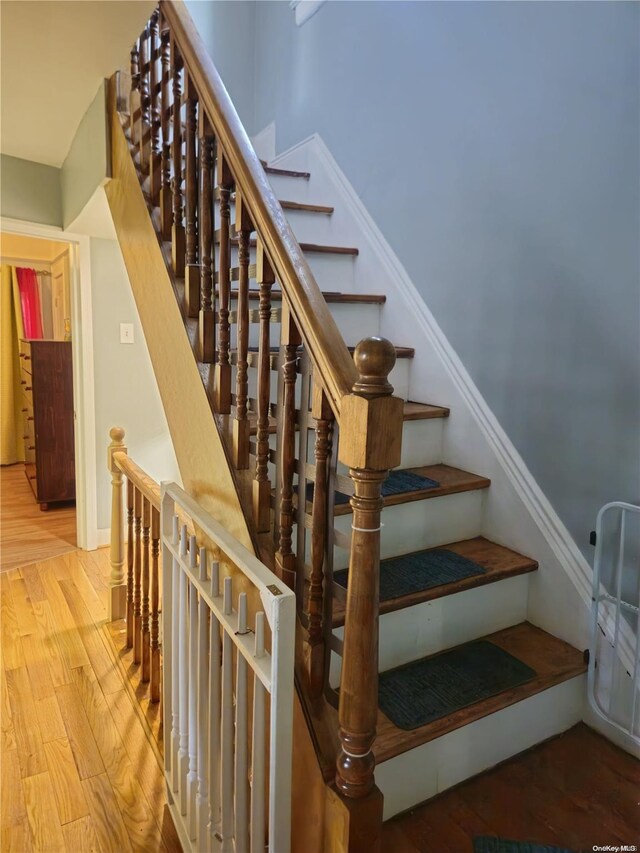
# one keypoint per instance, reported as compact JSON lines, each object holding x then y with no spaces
{"x":305,"y":9}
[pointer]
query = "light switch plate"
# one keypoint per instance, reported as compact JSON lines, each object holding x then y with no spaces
{"x":126,"y":333}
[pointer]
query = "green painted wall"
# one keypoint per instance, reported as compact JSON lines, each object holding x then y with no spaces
{"x":30,"y":191}
{"x":87,"y":164}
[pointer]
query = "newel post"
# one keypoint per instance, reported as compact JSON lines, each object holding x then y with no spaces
{"x":370,"y":444}
{"x":117,"y":586}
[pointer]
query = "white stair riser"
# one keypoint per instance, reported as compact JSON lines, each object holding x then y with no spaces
{"x":354,"y":322}
{"x":293,"y":189}
{"x":427,"y":770}
{"x":434,"y":626}
{"x":422,"y":524}
{"x":308,"y":226}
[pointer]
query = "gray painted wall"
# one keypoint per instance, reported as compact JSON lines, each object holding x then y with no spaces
{"x":227,"y":28}
{"x":30,"y":191}
{"x":496,"y":145}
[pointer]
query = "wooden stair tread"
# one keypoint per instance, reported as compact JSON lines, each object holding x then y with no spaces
{"x":553,"y":660}
{"x":498,"y":561}
{"x":423,"y":411}
{"x":330,"y":296}
{"x":287,"y":173}
{"x":286,"y":204}
{"x":309,"y":208}
{"x":452,"y":481}
{"x":315,"y":248}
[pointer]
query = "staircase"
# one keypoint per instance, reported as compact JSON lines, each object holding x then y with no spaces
{"x":299,"y":392}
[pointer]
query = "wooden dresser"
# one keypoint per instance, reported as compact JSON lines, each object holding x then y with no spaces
{"x":47,"y":409}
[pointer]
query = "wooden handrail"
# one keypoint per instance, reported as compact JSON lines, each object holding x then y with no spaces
{"x":328,"y":351}
{"x":145,"y":484}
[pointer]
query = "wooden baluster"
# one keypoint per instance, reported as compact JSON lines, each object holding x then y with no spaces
{"x":145,"y":632}
{"x":370,"y":443}
{"x":117,"y":588}
{"x":223,"y":366}
{"x":285,"y":558}
{"x":165,"y":191}
{"x":154,"y":109}
{"x":130,"y":564}
{"x":155,"y":606}
{"x":204,"y":667}
{"x":145,"y":101}
{"x":241,"y":420}
{"x":262,"y":485}
{"x":183,"y":673}
{"x":206,"y":325}
{"x":192,"y":270}
{"x":177,"y":229}
{"x":137,"y":576}
{"x":134,"y":95}
{"x":323,"y":415}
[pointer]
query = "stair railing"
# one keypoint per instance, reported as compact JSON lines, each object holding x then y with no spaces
{"x":196,"y":163}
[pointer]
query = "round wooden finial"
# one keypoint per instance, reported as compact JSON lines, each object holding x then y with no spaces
{"x":374,"y":359}
{"x":116,"y":434}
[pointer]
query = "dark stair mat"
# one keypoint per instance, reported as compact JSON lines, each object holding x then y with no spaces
{"x":397,"y":483}
{"x":400,"y":576}
{"x":425,"y":690}
{"x":486,"y":844}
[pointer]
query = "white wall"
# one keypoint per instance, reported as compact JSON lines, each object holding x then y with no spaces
{"x":126,"y":392}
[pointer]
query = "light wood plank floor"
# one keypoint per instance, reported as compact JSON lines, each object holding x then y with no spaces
{"x":78,"y":770}
{"x":26,"y":533}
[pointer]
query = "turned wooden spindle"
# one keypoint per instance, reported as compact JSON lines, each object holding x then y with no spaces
{"x":321,"y":411}
{"x":177,"y":229}
{"x":145,"y":100}
{"x":130,"y":563}
{"x":223,"y":367}
{"x":241,"y":421}
{"x":145,"y":632}
{"x":134,"y":94}
{"x":154,"y":109}
{"x":261,"y":484}
{"x":290,"y":341}
{"x":370,"y":443}
{"x":117,"y":588}
{"x":165,"y":167}
{"x":206,"y":324}
{"x":137,"y":576}
{"x":155,"y":606}
{"x":192,"y":270}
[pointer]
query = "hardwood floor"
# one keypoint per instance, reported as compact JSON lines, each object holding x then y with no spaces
{"x":575,"y":791}
{"x":79,"y":772}
{"x":26,"y":533}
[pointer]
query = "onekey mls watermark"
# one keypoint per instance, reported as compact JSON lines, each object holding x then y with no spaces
{"x":615,"y":848}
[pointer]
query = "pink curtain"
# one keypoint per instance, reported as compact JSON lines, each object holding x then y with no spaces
{"x":30,"y":302}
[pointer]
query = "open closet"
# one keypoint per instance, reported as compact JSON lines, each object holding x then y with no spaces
{"x":37,"y":376}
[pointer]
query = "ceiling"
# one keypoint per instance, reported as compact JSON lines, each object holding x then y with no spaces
{"x":53,"y":55}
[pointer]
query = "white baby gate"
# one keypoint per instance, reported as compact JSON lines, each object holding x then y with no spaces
{"x":229,"y":782}
{"x":614,"y":658}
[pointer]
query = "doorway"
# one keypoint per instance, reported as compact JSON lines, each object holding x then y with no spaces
{"x":47,"y":483}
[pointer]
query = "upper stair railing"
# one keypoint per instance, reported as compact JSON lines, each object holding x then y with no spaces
{"x":196,"y":163}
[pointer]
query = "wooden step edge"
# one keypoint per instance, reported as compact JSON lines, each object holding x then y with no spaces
{"x":499,"y":562}
{"x":286,"y":173}
{"x":452,"y":481}
{"x":424,"y":411}
{"x":553,"y":660}
{"x":330,"y":296}
{"x":306,"y":208}
{"x":310,"y":248}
